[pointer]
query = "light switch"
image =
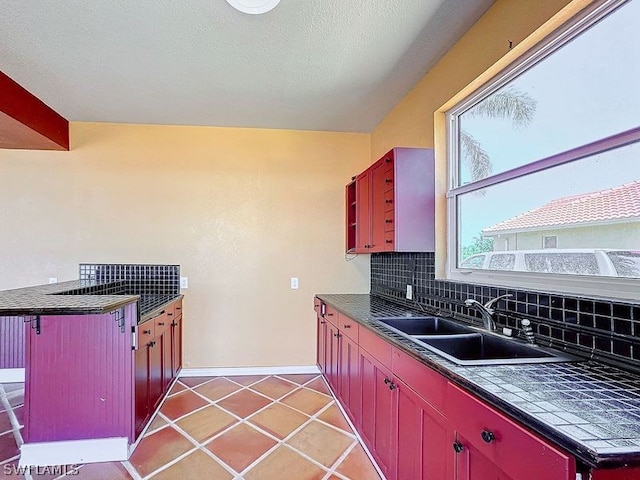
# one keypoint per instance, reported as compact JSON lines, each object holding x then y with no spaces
{"x":294,"y":283}
{"x":53,"y":279}
{"x":184,"y":282}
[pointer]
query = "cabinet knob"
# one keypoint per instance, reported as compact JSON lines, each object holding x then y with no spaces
{"x":346,"y":325}
{"x":388,"y":200}
{"x":387,"y":160}
{"x":458,"y":447}
{"x":387,"y":180}
{"x":169,"y":314}
{"x":337,"y":335}
{"x":322,"y":322}
{"x":487,"y":436}
{"x":161,"y":324}
{"x":388,"y":220}
{"x":387,"y":381}
{"x":392,"y":386}
{"x":146,"y":332}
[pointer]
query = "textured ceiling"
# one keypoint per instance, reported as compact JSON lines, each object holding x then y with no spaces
{"x":336,"y":65}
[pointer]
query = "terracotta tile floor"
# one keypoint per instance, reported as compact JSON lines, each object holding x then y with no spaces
{"x":270,"y":427}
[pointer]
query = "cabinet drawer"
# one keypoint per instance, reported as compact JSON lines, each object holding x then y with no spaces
{"x":507,"y":444}
{"x":388,"y":200}
{"x":317,"y":305}
{"x":426,"y":382}
{"x":388,"y":159}
{"x":377,"y":347}
{"x":162,"y":322}
{"x":177,"y":309}
{"x":349,"y":327}
{"x":389,"y":240}
{"x":389,"y":220}
{"x":331,"y":315}
{"x":388,"y":179}
{"x":146,"y":333}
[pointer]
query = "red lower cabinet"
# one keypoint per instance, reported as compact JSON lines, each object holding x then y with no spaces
{"x":158,"y":359}
{"x":470,"y":464}
{"x":349,"y":389}
{"x":176,"y":346}
{"x":490,"y":446}
{"x":422,"y":438}
{"x":419,"y":426}
{"x":141,"y":390}
{"x":321,"y":335}
{"x":379,"y":402}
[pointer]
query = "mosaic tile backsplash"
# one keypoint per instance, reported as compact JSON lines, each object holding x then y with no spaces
{"x":606,"y":330}
{"x":135,"y":279}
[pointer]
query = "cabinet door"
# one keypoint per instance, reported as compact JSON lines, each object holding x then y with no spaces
{"x":501,"y":441}
{"x":378,"y":406}
{"x":423,"y":449}
{"x":176,"y":346}
{"x":321,"y":334}
{"x":471,"y":464}
{"x":141,"y":388}
{"x":155,"y":372}
{"x":349,"y":372}
{"x":363,"y":212}
{"x":167,"y":365}
{"x":333,"y":356}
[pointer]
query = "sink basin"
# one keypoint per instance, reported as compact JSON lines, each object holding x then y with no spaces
{"x":488,"y":349}
{"x":424,"y":326}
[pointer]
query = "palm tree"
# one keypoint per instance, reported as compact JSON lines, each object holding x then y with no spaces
{"x":508,"y":103}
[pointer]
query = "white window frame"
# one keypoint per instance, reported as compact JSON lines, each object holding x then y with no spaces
{"x":598,"y":286}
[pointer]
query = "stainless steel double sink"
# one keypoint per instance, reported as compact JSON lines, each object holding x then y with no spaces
{"x":466,"y":345}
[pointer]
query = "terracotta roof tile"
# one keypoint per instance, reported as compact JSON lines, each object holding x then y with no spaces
{"x":605,"y":205}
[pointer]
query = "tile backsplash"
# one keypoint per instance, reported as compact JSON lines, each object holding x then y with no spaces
{"x":136,"y":279}
{"x":603,"y":329}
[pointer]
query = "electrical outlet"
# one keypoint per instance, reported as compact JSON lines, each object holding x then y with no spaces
{"x":409,"y":292}
{"x":294,"y":283}
{"x":53,"y":279}
{"x":184,"y":282}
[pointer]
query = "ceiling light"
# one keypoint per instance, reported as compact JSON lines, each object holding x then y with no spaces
{"x":253,"y":7}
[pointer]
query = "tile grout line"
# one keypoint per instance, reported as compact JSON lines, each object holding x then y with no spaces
{"x":245,"y":421}
{"x":358,"y":437}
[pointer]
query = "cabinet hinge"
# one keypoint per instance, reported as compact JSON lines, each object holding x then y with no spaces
{"x":35,"y":323}
{"x":118,"y":316}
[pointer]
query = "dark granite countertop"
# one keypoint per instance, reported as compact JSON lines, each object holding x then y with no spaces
{"x":77,"y":297}
{"x":590,"y":409}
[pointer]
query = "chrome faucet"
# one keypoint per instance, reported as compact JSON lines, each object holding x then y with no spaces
{"x":486,"y":310}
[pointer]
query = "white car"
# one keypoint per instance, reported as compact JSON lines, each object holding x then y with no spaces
{"x":577,"y":261}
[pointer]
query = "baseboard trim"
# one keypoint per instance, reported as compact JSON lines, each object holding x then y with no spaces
{"x":233,"y":371}
{"x":74,"y":452}
{"x":11,"y":375}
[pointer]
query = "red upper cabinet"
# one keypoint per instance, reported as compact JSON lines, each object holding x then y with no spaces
{"x":395,"y":203}
{"x":363,"y":213}
{"x":351,"y":216}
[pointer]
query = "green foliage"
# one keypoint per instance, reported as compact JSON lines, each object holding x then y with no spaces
{"x":481,"y":244}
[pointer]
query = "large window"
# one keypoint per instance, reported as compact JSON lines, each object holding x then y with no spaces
{"x":544,"y":184}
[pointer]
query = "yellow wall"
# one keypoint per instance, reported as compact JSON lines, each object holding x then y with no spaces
{"x":241,"y":210}
{"x":410,"y":123}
